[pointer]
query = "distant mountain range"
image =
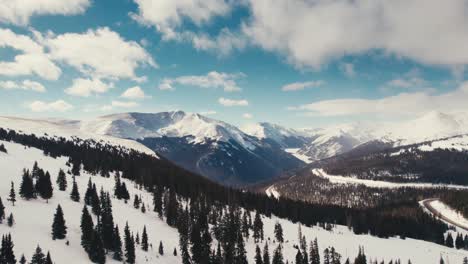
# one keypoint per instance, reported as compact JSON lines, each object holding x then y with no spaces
{"x":258,"y":152}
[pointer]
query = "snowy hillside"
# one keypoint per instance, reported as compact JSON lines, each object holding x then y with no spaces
{"x":33,"y":221}
{"x":286,"y":137}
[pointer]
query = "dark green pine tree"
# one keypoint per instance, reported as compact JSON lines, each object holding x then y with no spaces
{"x":258,"y":228}
{"x":161,"y":248}
{"x":279,"y":232}
{"x":89,"y":193}
{"x":174,"y":253}
{"x":95,"y":201}
{"x":266,"y":254}
{"x":144,"y":240}
{"x":117,"y":245}
{"x":7,"y":255}
{"x":136,"y":202}
{"x":157,"y":201}
{"x":48,"y":259}
{"x":23,"y":259}
{"x":241,"y":257}
{"x":361,"y":257}
{"x":107,"y":221}
{"x":314,"y":252}
{"x":125,"y":194}
{"x":87,"y":229}
{"x":62,"y":180}
{"x":118,"y":186}
{"x":129,"y":246}
{"x":59,"y":228}
{"x":258,"y":255}
{"x":75,"y":193}
{"x":27,"y":186}
{"x":96,"y":253}
{"x":183,"y":228}
{"x":10,"y":220}
{"x":196,"y":244}
{"x":245,"y":225}
{"x":2,"y":211}
{"x":143,"y":208}
{"x":38,"y":257}
{"x":44,"y":186}
{"x":299,"y":258}
{"x":449,"y":240}
{"x":12,"y":196}
{"x":278,"y":256}
{"x":459,"y":241}
{"x":326,"y":257}
{"x":172,"y":208}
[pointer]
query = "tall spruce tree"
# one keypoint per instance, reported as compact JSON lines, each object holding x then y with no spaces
{"x":23,"y":259}
{"x":279,"y":232}
{"x":157,"y":201}
{"x":95,"y":201}
{"x":59,"y":228}
{"x":258,"y":255}
{"x":144,"y":240}
{"x":87,"y":229}
{"x":48,"y":259}
{"x":106,"y":221}
{"x":266,"y":254}
{"x":75,"y":193}
{"x":161,"y":248}
{"x":44,"y":186}
{"x":10,"y":220}
{"x":38,"y":256}
{"x":449,"y":240}
{"x":27,"y":186}
{"x":117,"y":245}
{"x":96,"y":253}
{"x":129,"y":246}
{"x":314,"y":252}
{"x":12,"y":196}
{"x":89,"y":192}
{"x":62,"y":180}
{"x":278,"y":256}
{"x":258,"y":228}
{"x":2,"y":211}
{"x":7,"y":255}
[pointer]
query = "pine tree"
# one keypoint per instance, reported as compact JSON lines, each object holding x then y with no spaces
{"x":174,"y":253}
{"x":38,"y":257}
{"x":27,"y":186}
{"x":48,"y":259}
{"x":2,"y":211}
{"x":7,"y":255}
{"x":10,"y":220}
{"x":89,"y":193}
{"x":161,"y":248}
{"x":314,"y":252}
{"x":459,"y":241}
{"x":257,"y":228}
{"x":299,"y":258}
{"x":95,"y":201}
{"x":75,"y":194}
{"x":125,"y":195}
{"x":87,"y":229}
{"x":172,"y":208}
{"x":465,"y":260}
{"x":326,"y":256}
{"x":157,"y":201}
{"x":241,"y":257}
{"x":44,"y":186}
{"x":12,"y":197}
{"x":278,"y":256}
{"x":62,"y":180}
{"x":143,"y":208}
{"x":23,"y":259}
{"x":96,"y":253}
{"x":59,"y":228}
{"x":266,"y":254}
{"x":279,"y":232}
{"x":144,"y":240}
{"x":245,"y":225}
{"x":117,"y":244}
{"x":449,"y":240}
{"x":136,"y":202}
{"x":258,"y":255}
{"x":129,"y":246}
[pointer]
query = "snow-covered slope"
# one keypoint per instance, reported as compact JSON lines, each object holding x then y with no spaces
{"x":66,"y":129}
{"x":285,"y":137}
{"x":33,"y":221}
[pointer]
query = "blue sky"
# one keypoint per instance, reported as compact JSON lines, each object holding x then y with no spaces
{"x":301,"y":63}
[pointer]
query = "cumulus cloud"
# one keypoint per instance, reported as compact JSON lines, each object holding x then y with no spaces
{"x":134,"y":93}
{"x":247,"y":116}
{"x":32,"y":59}
{"x":56,"y":106}
{"x":86,"y":87}
{"x":312,"y":33}
{"x":24,"y":85}
{"x":19,"y":12}
{"x":404,"y":104}
{"x":297,"y":86}
{"x":214,"y":79}
{"x":119,"y":104}
{"x":102,"y":53}
{"x":230,"y":102}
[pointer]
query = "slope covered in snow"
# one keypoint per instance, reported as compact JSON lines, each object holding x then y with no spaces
{"x":285,"y":137}
{"x":33,"y":221}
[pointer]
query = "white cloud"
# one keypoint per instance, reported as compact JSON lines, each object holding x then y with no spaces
{"x":20,"y":11}
{"x":297,"y":86}
{"x":87,"y":87}
{"x":312,"y":33}
{"x":223,"y":44}
{"x":168,"y":15}
{"x":226,"y":81}
{"x":208,"y":112}
{"x":404,"y":104}
{"x":247,"y":116}
{"x":119,"y":104}
{"x":348,"y":69}
{"x":410,"y":80}
{"x":102,"y":53}
{"x":24,"y":85}
{"x":31,"y":60}
{"x":57,"y":106}
{"x":230,"y":102}
{"x":134,"y":93}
